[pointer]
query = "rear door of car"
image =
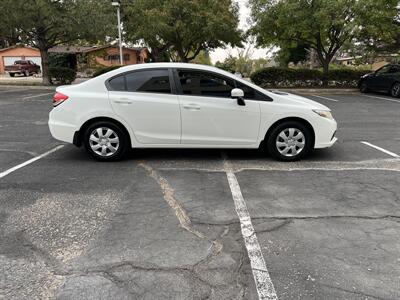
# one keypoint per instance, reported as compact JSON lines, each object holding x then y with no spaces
{"x":147,"y":101}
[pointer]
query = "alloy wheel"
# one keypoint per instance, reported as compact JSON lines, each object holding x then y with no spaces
{"x":104,"y":141}
{"x":396,"y":90}
{"x":290,"y":142}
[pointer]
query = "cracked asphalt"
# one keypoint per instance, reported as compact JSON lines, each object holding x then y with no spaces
{"x":162,"y":223}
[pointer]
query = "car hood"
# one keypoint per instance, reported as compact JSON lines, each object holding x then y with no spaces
{"x":288,"y":98}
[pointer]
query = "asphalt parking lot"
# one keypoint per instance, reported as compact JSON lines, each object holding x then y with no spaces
{"x":178,"y":224}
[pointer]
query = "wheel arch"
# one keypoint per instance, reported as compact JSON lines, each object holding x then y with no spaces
{"x":289,"y":119}
{"x":78,"y":136}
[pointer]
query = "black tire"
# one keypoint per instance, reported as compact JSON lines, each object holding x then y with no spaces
{"x":12,"y":74}
{"x":26,"y":73}
{"x":364,"y":87}
{"x":272,"y":140}
{"x":395,"y":90}
{"x":123,"y":141}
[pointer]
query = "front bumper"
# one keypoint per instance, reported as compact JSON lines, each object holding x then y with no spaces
{"x":325,"y":133}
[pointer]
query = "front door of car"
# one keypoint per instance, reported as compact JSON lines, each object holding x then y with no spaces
{"x":145,"y":100}
{"x":210,"y":116}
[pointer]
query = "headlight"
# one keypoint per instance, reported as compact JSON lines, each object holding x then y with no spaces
{"x":324,"y":113}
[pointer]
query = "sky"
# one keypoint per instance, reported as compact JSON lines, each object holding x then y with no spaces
{"x":220,"y":54}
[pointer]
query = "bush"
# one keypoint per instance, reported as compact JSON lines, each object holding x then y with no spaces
{"x":283,"y":77}
{"x":63,"y":60}
{"x":61,"y":75}
{"x":101,"y":70}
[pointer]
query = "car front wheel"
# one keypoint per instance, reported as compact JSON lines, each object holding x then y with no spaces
{"x":395,"y":90}
{"x":289,"y":141}
{"x":105,"y":141}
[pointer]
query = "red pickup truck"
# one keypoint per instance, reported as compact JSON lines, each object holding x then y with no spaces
{"x":22,"y":67}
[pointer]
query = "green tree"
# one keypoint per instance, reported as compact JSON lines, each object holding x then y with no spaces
{"x":380,"y":31}
{"x":8,"y":33}
{"x":46,"y":23}
{"x":229,"y":64}
{"x":324,"y":25}
{"x":183,"y":28}
{"x":203,"y":58}
{"x":296,"y":54}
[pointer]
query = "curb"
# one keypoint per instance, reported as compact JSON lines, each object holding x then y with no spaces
{"x":27,"y":86}
{"x":319,"y":91}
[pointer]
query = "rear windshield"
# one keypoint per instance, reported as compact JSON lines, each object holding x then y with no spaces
{"x":20,"y":62}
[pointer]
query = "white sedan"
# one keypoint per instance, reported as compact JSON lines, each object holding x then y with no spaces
{"x":176,"y":105}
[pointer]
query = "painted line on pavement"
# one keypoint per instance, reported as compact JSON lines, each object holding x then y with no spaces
{"x":36,"y":96}
{"x":7,"y":172}
{"x":9,"y":91}
{"x":383,"y":98}
{"x":330,"y":99}
{"x":263,"y":282}
{"x":381,"y":149}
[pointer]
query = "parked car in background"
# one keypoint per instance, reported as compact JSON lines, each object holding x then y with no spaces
{"x":22,"y":67}
{"x":386,"y":79}
{"x":176,"y":105}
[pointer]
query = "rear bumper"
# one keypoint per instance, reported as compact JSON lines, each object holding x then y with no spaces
{"x":61,"y":130}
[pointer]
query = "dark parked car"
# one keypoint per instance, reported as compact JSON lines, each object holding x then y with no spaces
{"x":386,"y":79}
{"x":22,"y":67}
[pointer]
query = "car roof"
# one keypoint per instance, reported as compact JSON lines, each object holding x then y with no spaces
{"x":168,"y":65}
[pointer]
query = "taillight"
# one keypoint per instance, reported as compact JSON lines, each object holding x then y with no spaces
{"x":59,"y":98}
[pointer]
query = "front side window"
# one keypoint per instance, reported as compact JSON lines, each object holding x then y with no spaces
{"x":150,"y":81}
{"x":198,"y":83}
{"x":250,"y":93}
{"x":394,"y":69}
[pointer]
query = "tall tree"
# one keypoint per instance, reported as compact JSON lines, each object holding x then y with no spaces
{"x":8,"y":33}
{"x":324,"y":25}
{"x":46,"y":23}
{"x":182,"y":28}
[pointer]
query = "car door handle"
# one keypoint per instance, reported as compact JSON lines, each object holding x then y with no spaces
{"x":123,"y":101}
{"x":192,"y":106}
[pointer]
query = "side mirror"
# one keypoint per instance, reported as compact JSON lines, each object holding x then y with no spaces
{"x":238,"y":94}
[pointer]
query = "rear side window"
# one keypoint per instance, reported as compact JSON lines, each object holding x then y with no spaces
{"x":198,"y":83}
{"x":148,"y":81}
{"x":117,"y":83}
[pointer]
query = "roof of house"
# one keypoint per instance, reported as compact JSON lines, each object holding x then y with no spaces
{"x":18,"y":46}
{"x":95,"y":48}
{"x":73,"y":49}
{"x":69,"y":49}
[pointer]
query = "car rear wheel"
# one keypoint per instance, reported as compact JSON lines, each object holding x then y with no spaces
{"x":106,"y":141}
{"x":12,"y":74}
{"x":395,"y":90}
{"x":364,"y":87}
{"x":289,"y":141}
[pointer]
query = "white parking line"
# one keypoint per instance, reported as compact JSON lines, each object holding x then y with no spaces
{"x":382,"y":98}
{"x":5,"y":173}
{"x":36,"y":96}
{"x":9,"y":91}
{"x":330,"y":99}
{"x":264,"y":285}
{"x":381,"y":149}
